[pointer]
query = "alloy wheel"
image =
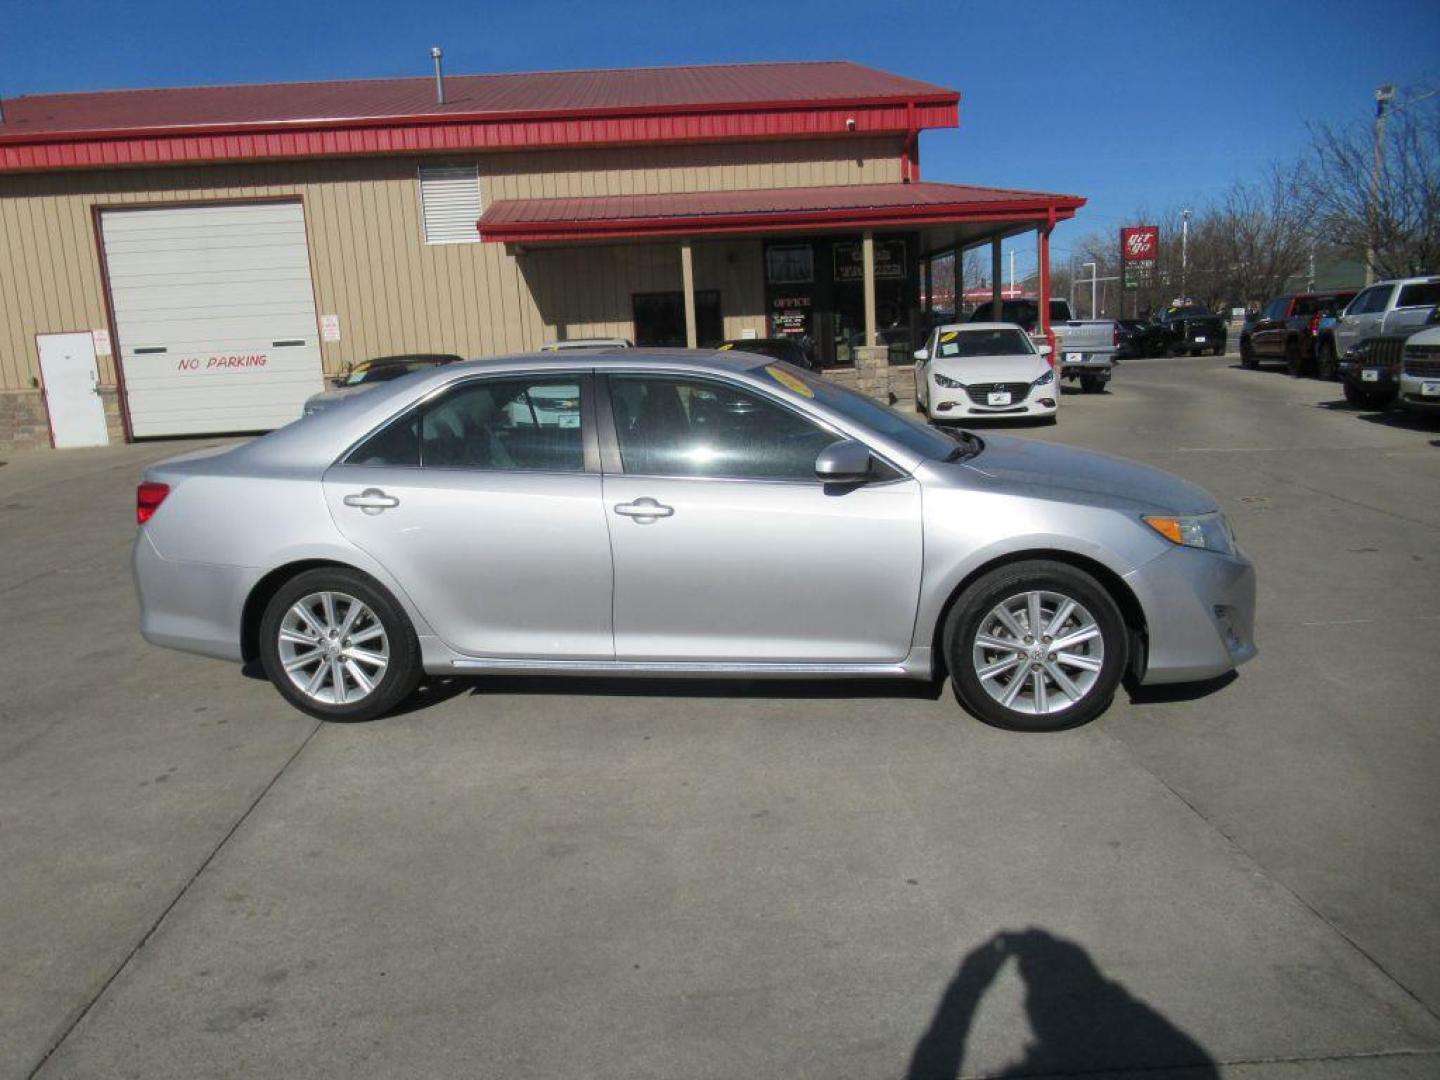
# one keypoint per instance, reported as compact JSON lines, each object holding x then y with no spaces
{"x":1038,"y":652}
{"x":333,"y":648}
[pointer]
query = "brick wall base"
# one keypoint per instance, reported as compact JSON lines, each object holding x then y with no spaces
{"x":25,"y":425}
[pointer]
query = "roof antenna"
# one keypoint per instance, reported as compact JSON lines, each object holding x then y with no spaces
{"x":436,"y":54}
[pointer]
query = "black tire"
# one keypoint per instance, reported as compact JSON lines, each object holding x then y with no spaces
{"x":972,"y":611}
{"x":1219,"y":350}
{"x":1327,"y":366}
{"x":1247,"y":355}
{"x":402,"y":673}
{"x":1092,"y":384}
{"x":1294,"y":365}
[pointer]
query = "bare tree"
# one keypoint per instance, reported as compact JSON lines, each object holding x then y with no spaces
{"x":1336,"y":178}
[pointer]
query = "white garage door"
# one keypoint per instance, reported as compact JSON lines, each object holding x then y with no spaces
{"x":215,"y":316}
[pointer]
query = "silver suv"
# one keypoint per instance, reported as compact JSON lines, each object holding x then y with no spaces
{"x":1391,"y":307}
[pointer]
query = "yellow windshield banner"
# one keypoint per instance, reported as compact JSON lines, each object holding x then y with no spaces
{"x":950,"y":335}
{"x":785,"y":379}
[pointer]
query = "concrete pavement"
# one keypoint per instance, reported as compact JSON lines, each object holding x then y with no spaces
{"x":538,"y":878}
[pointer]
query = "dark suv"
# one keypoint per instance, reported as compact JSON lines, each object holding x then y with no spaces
{"x":1188,"y":330}
{"x":1295,"y":329}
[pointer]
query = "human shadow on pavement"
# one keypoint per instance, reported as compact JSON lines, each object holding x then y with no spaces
{"x":1080,"y":1021}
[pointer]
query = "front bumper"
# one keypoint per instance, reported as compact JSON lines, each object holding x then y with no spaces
{"x":951,"y":404}
{"x":1372,"y":378}
{"x":1199,"y":612}
{"x":1413,"y":396}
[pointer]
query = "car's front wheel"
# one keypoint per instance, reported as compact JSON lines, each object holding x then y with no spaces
{"x":337,"y":645}
{"x":1036,"y":646}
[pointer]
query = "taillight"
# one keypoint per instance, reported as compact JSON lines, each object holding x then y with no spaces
{"x":1315,"y":322}
{"x":148,"y":497}
{"x":1115,"y":335}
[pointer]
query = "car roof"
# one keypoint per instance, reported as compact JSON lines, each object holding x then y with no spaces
{"x":410,"y":358}
{"x":602,"y":357}
{"x":969,"y":327}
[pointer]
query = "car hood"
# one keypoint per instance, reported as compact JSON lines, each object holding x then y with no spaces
{"x":1063,"y":473}
{"x":991,"y":369}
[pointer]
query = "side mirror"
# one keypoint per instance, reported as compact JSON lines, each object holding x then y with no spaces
{"x":846,"y":460}
{"x":1045,"y":350}
{"x":922,"y":354}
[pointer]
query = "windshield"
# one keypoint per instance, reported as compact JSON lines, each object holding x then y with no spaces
{"x":917,"y":437}
{"x":961,"y":344}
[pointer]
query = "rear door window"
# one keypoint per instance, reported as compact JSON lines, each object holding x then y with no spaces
{"x":527,"y":423}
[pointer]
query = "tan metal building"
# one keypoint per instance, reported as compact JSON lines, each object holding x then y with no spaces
{"x":195,"y":260}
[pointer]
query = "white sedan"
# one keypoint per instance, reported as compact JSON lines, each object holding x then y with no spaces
{"x":984,"y":369}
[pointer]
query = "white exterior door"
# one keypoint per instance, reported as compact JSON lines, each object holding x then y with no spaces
{"x":215,"y":316}
{"x":72,"y":395}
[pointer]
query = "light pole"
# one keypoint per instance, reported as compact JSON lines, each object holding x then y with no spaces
{"x":1383,"y":96}
{"x":1094,"y":274}
{"x":1184,"y":251}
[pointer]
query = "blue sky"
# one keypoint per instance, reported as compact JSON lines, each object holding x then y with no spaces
{"x":1155,"y":104}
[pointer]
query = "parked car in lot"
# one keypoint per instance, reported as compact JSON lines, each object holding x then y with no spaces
{"x":789,"y":349}
{"x":1370,"y":371}
{"x":713,"y":514}
{"x":1084,"y":348}
{"x":969,"y":370}
{"x":369,"y":373}
{"x":1138,"y":338}
{"x":1392,"y":307}
{"x":1189,"y":330}
{"x":1291,"y":329}
{"x":1419,"y":389}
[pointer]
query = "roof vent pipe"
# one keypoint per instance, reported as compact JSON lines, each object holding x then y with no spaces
{"x":436,"y":55}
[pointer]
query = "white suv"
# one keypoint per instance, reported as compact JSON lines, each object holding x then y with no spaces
{"x":1420,"y":372}
{"x":1391,"y":307}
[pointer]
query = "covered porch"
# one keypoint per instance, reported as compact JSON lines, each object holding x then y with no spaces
{"x":849,"y":270}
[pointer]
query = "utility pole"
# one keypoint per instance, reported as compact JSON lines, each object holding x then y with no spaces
{"x":1383,"y":96}
{"x":1184,"y":251}
{"x":1094,"y":274}
{"x":1310,"y":279}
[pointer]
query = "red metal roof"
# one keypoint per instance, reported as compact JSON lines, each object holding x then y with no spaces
{"x":767,"y":210}
{"x":506,"y":111}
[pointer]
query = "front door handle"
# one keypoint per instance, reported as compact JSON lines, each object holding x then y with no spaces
{"x":644,"y":511}
{"x":371,"y":501}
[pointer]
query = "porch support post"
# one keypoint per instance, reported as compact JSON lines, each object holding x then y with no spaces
{"x":997,"y":307}
{"x":1042,"y":282}
{"x":868,"y":255}
{"x":687,"y":277}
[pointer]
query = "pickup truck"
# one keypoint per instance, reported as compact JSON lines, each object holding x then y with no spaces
{"x":1084,"y":348}
{"x":1189,"y":329}
{"x":1391,"y":307}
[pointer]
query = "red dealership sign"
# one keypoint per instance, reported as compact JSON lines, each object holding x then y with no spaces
{"x":1139,"y":243}
{"x":1139,"y":248}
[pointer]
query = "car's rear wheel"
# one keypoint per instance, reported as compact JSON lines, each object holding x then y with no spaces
{"x":337,"y":645}
{"x":1092,"y":384}
{"x":1326,"y":364}
{"x":1036,"y":646}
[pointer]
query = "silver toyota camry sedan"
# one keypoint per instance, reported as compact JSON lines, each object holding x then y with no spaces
{"x":662,"y":513}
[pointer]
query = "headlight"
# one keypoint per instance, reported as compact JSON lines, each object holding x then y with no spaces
{"x":1045,"y":379}
{"x":948,"y":382}
{"x":1209,"y":531}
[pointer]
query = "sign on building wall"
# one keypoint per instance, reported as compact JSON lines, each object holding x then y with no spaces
{"x":790,"y":264}
{"x":1139,"y":250}
{"x":329,"y":327}
{"x":850,"y":261}
{"x":889,"y":261}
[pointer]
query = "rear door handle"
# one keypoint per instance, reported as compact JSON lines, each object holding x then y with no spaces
{"x":644,"y":511}
{"x":371,"y":501}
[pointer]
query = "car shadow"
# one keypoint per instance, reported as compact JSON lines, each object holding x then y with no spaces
{"x":1169,"y":693}
{"x":442,"y":688}
{"x":1080,"y":1021}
